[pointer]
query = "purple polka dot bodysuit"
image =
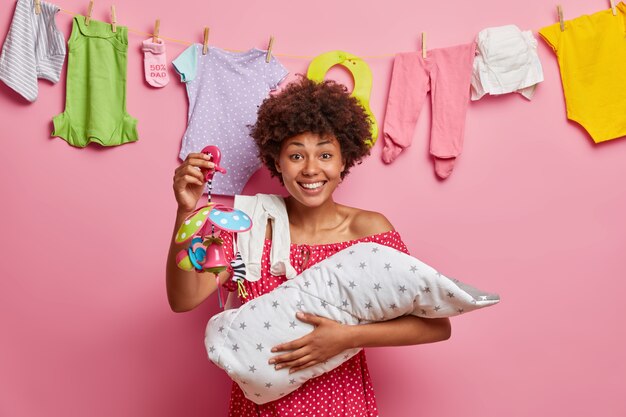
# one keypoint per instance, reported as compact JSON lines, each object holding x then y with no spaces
{"x":225,"y":89}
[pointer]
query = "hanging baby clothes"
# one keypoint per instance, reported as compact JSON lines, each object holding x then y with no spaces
{"x":591,"y":53}
{"x":155,"y":63}
{"x":506,"y":61}
{"x":446,"y":73}
{"x":224,"y":90}
{"x":95,"y":103}
{"x":34,"y":48}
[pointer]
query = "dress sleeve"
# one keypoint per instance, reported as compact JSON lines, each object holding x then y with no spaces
{"x":391,"y":239}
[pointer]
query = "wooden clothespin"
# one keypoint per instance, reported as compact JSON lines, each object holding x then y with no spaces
{"x":559,"y":12}
{"x":113,"y":19}
{"x":268,"y":56}
{"x":205,"y":44}
{"x":613,"y":7}
{"x":157,"y":26}
{"x":89,"y":11}
{"x":37,"y":6}
{"x":424,"y":45}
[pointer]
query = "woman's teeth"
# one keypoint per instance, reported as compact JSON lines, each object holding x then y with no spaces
{"x":312,"y":186}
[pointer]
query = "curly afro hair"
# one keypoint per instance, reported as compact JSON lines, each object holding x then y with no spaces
{"x":325,"y":108}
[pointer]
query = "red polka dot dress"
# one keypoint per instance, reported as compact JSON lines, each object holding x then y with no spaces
{"x":347,"y":390}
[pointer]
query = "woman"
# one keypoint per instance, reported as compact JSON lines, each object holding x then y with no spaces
{"x":308,"y":136}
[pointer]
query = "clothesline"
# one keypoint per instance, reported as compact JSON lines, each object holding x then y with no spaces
{"x":187,"y":43}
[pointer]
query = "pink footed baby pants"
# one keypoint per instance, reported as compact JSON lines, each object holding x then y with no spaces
{"x":446,"y":74}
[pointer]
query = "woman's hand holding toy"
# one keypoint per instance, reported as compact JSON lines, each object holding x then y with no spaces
{"x":189,"y":180}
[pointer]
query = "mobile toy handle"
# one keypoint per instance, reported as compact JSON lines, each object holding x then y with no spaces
{"x":216,"y":156}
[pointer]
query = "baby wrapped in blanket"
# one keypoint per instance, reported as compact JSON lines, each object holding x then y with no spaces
{"x":364,"y":283}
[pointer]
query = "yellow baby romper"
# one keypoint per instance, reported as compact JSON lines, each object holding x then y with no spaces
{"x":591,"y":53}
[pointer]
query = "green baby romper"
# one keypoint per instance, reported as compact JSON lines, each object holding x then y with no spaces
{"x":95,"y":103}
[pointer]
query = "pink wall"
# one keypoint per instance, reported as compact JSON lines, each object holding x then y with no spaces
{"x":534,"y":211}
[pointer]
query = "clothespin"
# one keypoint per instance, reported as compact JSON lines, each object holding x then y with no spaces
{"x":613,"y":7}
{"x":113,"y":19}
{"x":424,"y":45}
{"x":89,"y":11}
{"x":559,"y":12}
{"x":37,"y":6}
{"x":205,"y":44}
{"x":268,"y":56}
{"x":157,"y":26}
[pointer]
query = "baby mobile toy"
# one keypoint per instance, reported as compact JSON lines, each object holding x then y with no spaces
{"x":206,"y":250}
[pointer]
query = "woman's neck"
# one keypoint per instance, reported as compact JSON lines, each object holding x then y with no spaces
{"x":310,"y":220}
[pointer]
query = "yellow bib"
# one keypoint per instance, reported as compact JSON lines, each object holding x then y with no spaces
{"x":362,"y":81}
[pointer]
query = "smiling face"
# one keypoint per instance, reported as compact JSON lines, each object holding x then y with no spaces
{"x":311,"y":167}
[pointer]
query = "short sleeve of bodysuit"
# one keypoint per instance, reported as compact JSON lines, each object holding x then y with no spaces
{"x":552,"y":35}
{"x":275,"y":73}
{"x":186,"y":64}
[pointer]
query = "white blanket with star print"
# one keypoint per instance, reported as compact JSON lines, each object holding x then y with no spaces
{"x":364,"y":283}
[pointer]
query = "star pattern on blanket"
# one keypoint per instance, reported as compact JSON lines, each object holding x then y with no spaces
{"x":377,"y":295}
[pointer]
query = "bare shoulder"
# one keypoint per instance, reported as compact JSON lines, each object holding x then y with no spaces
{"x":366,"y":223}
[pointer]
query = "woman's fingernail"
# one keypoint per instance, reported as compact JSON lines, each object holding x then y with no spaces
{"x":271,"y":361}
{"x":274,"y":349}
{"x":277,"y":367}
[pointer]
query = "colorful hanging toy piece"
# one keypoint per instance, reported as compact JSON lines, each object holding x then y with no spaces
{"x":206,"y":251}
